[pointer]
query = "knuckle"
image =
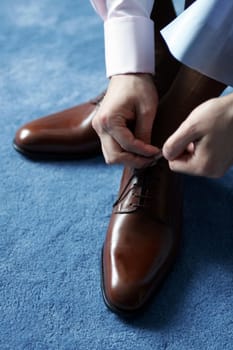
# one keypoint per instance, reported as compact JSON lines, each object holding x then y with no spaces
{"x":110,"y":160}
{"x":179,"y":169}
{"x":217,"y":173}
{"x":107,"y":161}
{"x":94,"y":123}
{"x":172,"y":166}
{"x":208,"y":169}
{"x":104,"y":121}
{"x":148,"y":112}
{"x":100,"y":122}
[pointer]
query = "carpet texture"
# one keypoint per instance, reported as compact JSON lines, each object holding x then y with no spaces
{"x":54,"y":215}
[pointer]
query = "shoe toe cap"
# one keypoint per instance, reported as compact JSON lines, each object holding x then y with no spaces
{"x":124,"y":297}
{"x":27,"y":140}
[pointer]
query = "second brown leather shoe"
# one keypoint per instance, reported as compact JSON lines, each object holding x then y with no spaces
{"x":66,"y":134}
{"x":142,"y":238}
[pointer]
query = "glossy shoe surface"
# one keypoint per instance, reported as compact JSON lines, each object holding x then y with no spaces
{"x":143,"y":237}
{"x":68,"y":133}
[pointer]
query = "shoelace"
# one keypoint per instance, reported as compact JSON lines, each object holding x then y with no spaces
{"x":139,"y":173}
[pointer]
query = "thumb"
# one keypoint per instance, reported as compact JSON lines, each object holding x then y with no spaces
{"x":182,"y":140}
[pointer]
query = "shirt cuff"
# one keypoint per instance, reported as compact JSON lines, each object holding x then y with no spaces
{"x":201,"y":38}
{"x":129,"y":45}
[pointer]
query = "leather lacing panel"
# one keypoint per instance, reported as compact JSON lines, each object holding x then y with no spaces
{"x":135,"y":194}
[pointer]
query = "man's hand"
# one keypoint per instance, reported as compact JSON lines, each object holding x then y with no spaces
{"x":125,"y":118}
{"x":203,"y":144}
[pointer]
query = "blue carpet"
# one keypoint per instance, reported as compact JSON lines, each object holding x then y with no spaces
{"x":53,"y":216}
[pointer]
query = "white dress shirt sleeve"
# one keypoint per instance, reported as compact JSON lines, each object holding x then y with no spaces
{"x":129,"y":35}
{"x":202,"y":38}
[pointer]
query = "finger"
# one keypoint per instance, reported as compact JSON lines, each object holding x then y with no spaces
{"x":192,"y":161}
{"x":120,"y":132}
{"x":135,"y":161}
{"x":184,"y":164}
{"x":201,"y":162}
{"x":184,"y":138}
{"x":125,"y":138}
{"x":114,"y":154}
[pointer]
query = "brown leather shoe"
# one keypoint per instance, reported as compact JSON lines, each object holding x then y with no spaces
{"x":66,"y":134}
{"x":142,"y":238}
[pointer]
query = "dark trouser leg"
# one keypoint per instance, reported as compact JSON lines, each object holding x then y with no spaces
{"x":163,"y":13}
{"x":166,"y":66}
{"x":187,"y":90}
{"x":188,"y":3}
